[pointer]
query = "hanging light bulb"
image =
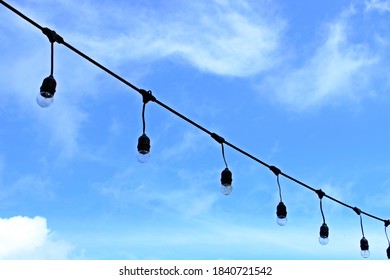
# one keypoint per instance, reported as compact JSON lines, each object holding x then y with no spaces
{"x":143,"y":148}
{"x":365,"y":253}
{"x":281,"y":214}
{"x":324,"y":230}
{"x":47,"y":90}
{"x":324,"y":234}
{"x":226,"y":181}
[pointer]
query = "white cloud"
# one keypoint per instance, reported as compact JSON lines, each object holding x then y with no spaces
{"x":30,"y":238}
{"x":378,"y":5}
{"x":337,"y":71}
{"x":222,"y":37}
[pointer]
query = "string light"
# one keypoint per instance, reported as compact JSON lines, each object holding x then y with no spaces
{"x":48,"y":89}
{"x":281,"y":209}
{"x":365,"y":252}
{"x":144,"y":141}
{"x":324,"y":229}
{"x":226,"y":174}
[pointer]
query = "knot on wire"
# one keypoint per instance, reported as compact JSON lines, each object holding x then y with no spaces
{"x":275,"y":170}
{"x":387,"y":223}
{"x":147,"y":96}
{"x":52,"y":36}
{"x":217,"y":138}
{"x":357,"y":210}
{"x":320,"y":193}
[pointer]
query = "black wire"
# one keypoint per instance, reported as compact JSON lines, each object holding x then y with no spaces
{"x":174,"y":111}
{"x":387,"y":237}
{"x":361,"y":224}
{"x":280,"y":189}
{"x":322,"y":212}
{"x":52,"y":60}
{"x":143,"y":118}
{"x":223,"y":155}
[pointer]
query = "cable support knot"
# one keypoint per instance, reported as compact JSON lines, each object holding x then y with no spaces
{"x":217,"y":138}
{"x":52,"y":36}
{"x":357,"y":210}
{"x":147,"y":95}
{"x":387,"y":223}
{"x":320,"y":193}
{"x":275,"y":170}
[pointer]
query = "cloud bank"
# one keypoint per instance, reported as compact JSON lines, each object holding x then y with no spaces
{"x":30,"y":238}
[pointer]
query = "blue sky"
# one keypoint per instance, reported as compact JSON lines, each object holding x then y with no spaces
{"x":303,"y":85}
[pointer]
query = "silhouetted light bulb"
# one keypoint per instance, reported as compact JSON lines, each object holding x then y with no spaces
{"x":281,"y":214}
{"x":388,"y":252}
{"x":226,"y":181}
{"x":364,"y":248}
{"x":324,"y":234}
{"x":47,"y":90}
{"x":143,"y":148}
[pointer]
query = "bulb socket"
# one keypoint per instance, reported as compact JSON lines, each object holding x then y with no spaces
{"x":388,"y":252}
{"x":48,"y":87}
{"x":281,"y":210}
{"x":364,"y":244}
{"x":143,"y":144}
{"x":226,"y":177}
{"x":324,"y":231}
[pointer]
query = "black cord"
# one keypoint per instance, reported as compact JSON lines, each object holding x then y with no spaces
{"x":322,"y":212}
{"x":280,"y":189}
{"x":361,"y":224}
{"x":52,"y":59}
{"x":143,"y":118}
{"x":223,"y":155}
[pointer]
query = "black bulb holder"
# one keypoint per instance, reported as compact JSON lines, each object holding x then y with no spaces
{"x":143,"y":144}
{"x":48,"y":87}
{"x":281,"y":210}
{"x":324,"y":231}
{"x":226,"y":177}
{"x":364,"y":244}
{"x":388,"y":252}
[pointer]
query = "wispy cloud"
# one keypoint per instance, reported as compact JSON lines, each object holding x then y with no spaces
{"x":193,"y":200}
{"x":30,"y":238}
{"x":377,"y":5}
{"x":337,"y":71}
{"x":223,"y":37}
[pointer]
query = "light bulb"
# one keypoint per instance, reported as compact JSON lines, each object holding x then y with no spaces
{"x":226,"y":190}
{"x":143,"y":148}
{"x":47,"y":90}
{"x":143,"y":158}
{"x":226,"y":181}
{"x":281,"y":214}
{"x":43,"y":101}
{"x":324,"y":234}
{"x":365,"y":253}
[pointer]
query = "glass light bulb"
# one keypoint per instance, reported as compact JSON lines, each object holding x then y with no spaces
{"x":323,"y":241}
{"x":226,"y":189}
{"x":281,"y":221}
{"x":365,"y":253}
{"x":143,"y":156}
{"x":43,"y":101}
